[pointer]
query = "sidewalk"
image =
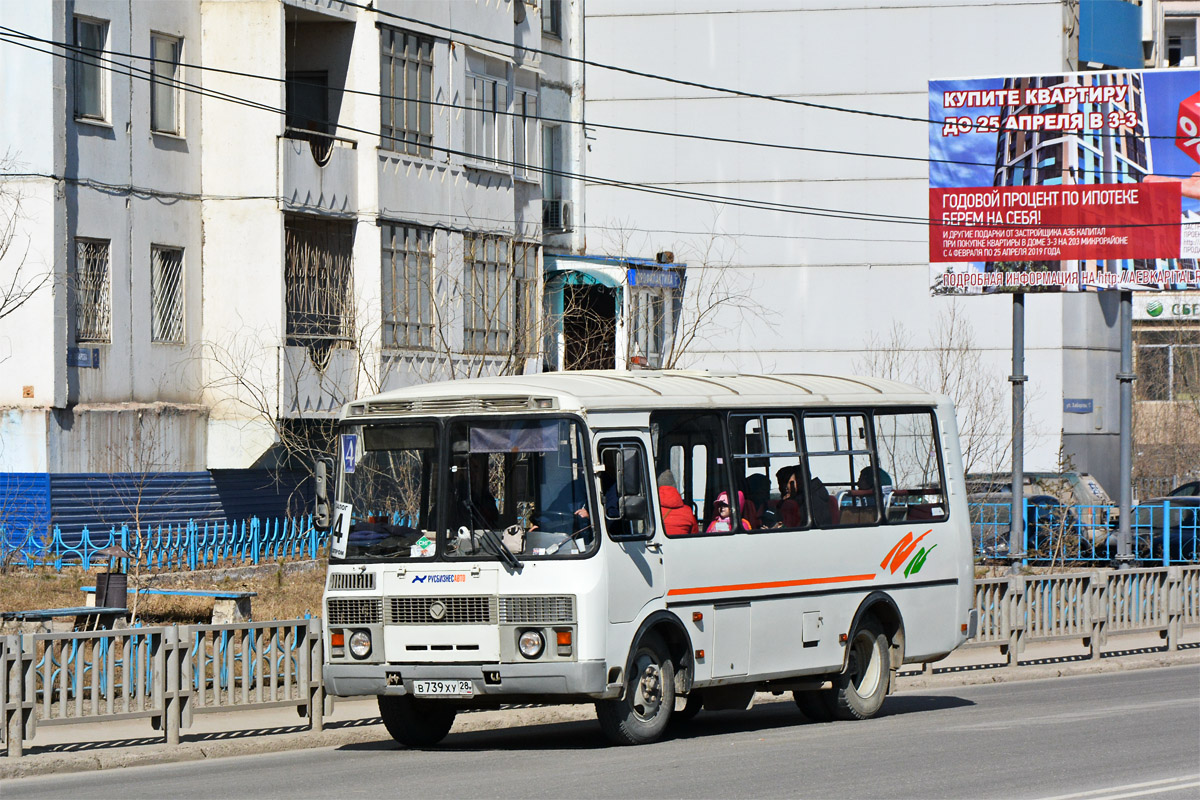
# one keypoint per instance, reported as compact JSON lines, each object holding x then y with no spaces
{"x":77,"y":748}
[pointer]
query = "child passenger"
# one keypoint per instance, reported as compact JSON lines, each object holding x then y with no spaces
{"x":723,"y":521}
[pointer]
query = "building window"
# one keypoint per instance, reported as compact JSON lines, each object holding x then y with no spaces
{"x":1168,"y":364}
{"x":555,"y":214}
{"x":487,"y":119}
{"x":319,"y":298}
{"x":487,"y":296}
{"x":90,"y":290}
{"x":166,"y":294}
{"x":406,"y":86}
{"x":525,"y":132}
{"x":90,"y":82}
{"x":525,"y":301}
{"x":407,"y":286}
{"x":552,"y":17}
{"x":1181,"y":42}
{"x":164,"y":94}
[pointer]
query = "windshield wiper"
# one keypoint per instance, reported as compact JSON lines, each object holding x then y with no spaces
{"x":492,"y":540}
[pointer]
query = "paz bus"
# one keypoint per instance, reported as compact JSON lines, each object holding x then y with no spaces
{"x":502,"y":540}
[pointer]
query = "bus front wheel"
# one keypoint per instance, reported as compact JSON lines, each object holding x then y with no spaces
{"x":641,"y":715}
{"x":415,"y":723}
{"x":858,"y":693}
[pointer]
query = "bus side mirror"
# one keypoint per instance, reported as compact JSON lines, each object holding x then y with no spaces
{"x":634,"y":507}
{"x":321,"y":517}
{"x":631,"y":473}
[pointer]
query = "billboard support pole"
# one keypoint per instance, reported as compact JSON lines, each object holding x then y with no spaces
{"x":1016,"y":533}
{"x":1125,"y":468}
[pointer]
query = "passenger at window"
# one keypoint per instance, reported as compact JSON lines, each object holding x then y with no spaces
{"x":678,"y":519}
{"x":867,"y":481}
{"x":723,"y":521}
{"x":793,"y":506}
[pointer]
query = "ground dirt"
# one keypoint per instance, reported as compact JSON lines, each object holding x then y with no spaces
{"x":285,"y":591}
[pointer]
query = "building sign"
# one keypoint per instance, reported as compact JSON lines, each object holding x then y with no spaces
{"x":654,"y":278}
{"x":1078,"y":405}
{"x":85,"y":357}
{"x":1076,"y":182}
{"x":1182,"y":306}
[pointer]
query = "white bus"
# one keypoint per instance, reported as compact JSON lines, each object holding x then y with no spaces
{"x":651,"y":542}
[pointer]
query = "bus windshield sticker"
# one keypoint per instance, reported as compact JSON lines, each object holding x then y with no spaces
{"x":423,"y":548}
{"x":341,"y":529}
{"x":349,"y":452}
{"x":522,"y":437}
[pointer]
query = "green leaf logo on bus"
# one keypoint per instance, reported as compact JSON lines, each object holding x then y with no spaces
{"x":901,"y":552}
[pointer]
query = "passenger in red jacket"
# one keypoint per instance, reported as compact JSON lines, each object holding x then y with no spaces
{"x":678,"y":518}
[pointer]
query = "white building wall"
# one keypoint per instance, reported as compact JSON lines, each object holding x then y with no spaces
{"x":820,"y":288}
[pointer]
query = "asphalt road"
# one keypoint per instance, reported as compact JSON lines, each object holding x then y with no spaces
{"x":1121,"y":735}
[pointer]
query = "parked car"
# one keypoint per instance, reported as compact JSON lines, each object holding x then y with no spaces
{"x":1047,"y":521}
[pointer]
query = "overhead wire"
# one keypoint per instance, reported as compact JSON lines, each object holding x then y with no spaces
{"x":131,"y":71}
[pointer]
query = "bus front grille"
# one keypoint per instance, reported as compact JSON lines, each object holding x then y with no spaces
{"x":354,"y":610}
{"x":351,"y":580}
{"x":549,"y":610}
{"x":452,"y":610}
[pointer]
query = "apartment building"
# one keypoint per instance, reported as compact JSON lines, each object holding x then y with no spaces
{"x":250,"y":212}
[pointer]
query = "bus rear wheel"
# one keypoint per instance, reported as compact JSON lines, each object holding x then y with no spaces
{"x":641,"y":715}
{"x":858,"y":693}
{"x":415,"y":723}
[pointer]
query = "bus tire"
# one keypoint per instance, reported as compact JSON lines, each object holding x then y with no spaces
{"x":816,"y":704}
{"x":641,"y":715}
{"x":859,"y":691}
{"x":415,"y":723}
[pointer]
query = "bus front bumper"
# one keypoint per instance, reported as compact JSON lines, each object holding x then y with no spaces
{"x":574,"y":678}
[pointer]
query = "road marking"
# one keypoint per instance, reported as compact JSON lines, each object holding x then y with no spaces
{"x":1134,"y":789}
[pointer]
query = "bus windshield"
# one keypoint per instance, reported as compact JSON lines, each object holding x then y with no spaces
{"x":510,"y":485}
{"x":390,"y":478}
{"x":523,"y":479}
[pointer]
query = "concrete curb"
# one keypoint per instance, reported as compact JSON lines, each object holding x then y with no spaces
{"x":57,"y":762}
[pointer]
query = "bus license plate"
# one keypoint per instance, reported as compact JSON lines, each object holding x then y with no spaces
{"x":443,"y":688}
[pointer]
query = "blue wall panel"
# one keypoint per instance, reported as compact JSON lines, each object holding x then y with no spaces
{"x":24,"y":506}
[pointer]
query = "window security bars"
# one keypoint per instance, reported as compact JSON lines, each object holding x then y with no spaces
{"x":166,"y":294}
{"x":407,"y":286}
{"x":317,"y":275}
{"x":406,"y":86}
{"x":164,"y":96}
{"x":526,"y":300}
{"x":90,"y":36}
{"x":487,"y":298}
{"x":91,"y":292}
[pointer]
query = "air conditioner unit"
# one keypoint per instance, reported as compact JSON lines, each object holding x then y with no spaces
{"x":556,"y":215}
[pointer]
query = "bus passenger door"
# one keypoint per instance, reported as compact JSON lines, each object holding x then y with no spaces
{"x":632,"y":553}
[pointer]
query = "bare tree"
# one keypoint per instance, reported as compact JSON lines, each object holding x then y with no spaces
{"x":950,"y":363}
{"x":19,"y":279}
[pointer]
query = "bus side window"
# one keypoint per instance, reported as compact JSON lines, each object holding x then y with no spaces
{"x":691,"y":445}
{"x":766,"y":461}
{"x":838,"y":448}
{"x":910,"y":466}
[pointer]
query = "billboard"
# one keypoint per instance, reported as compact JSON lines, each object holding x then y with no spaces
{"x":1082,"y":181}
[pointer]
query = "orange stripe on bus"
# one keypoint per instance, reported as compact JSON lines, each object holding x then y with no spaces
{"x":772,"y":584}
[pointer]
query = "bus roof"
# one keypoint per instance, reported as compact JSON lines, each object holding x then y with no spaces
{"x":612,"y":390}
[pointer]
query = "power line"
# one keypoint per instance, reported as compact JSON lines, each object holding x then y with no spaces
{"x":736,"y":202}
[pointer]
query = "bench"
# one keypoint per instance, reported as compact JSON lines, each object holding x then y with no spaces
{"x":227,"y":606}
{"x":42,"y":620}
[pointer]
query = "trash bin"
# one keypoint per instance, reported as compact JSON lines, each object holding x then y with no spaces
{"x":112,"y":590}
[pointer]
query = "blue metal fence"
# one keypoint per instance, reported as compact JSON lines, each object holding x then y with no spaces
{"x":1165,"y":533}
{"x":179,"y":547}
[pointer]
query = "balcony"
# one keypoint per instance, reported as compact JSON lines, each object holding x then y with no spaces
{"x":318,"y":173}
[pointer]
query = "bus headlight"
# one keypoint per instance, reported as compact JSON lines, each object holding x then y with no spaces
{"x":531,"y":644}
{"x":360,"y":644}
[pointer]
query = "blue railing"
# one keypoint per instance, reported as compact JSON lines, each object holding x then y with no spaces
{"x":185,"y":546}
{"x":1163,"y":533}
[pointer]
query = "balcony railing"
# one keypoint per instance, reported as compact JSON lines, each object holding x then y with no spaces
{"x":321,"y":145}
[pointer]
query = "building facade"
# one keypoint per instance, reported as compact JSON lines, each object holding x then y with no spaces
{"x":247,"y":213}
